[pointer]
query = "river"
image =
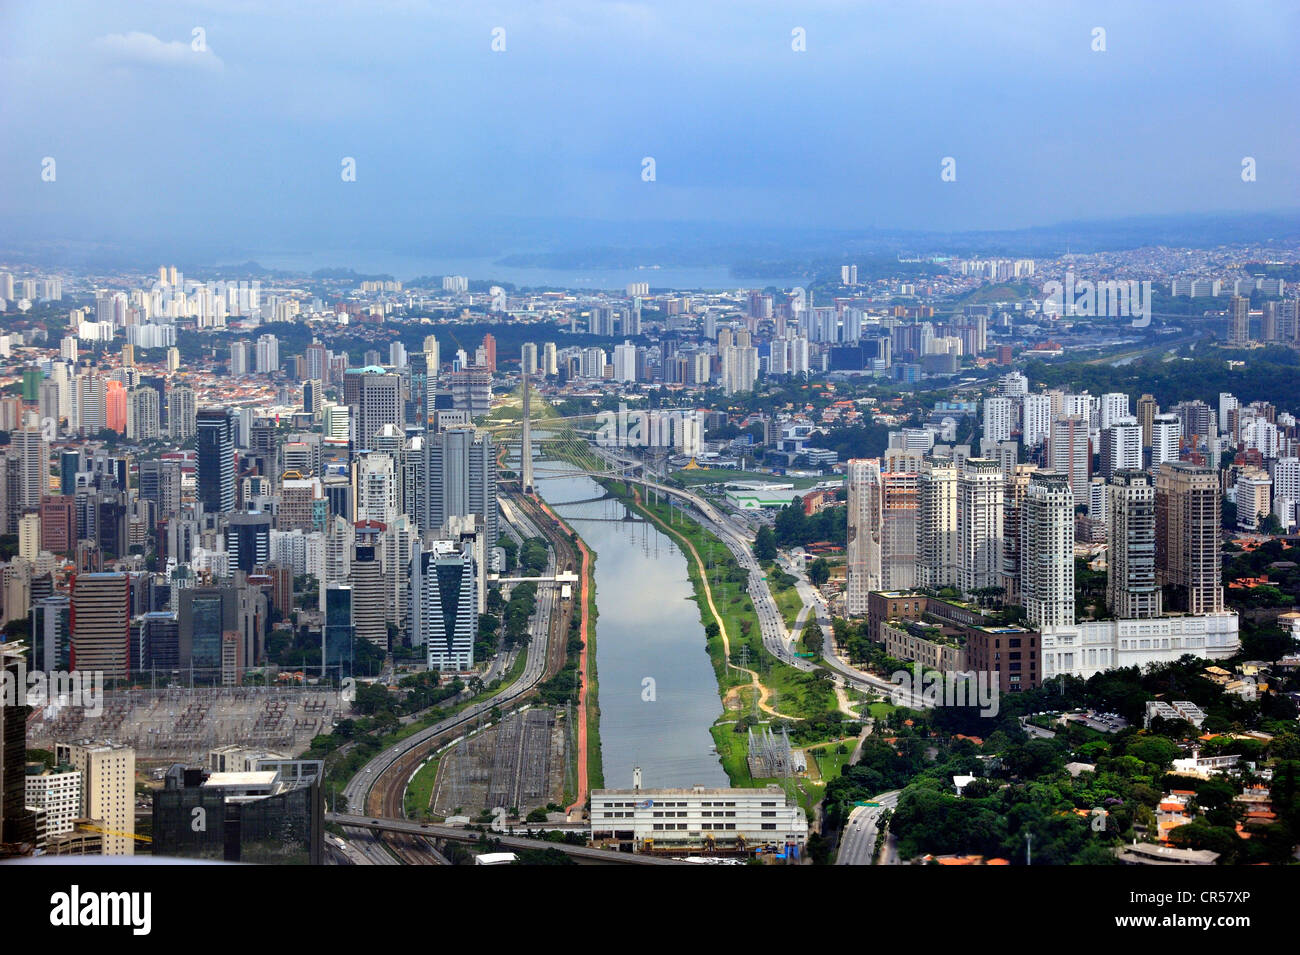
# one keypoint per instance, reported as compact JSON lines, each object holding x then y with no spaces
{"x":648,"y":627}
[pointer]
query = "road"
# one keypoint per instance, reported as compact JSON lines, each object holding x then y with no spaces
{"x":858,"y":844}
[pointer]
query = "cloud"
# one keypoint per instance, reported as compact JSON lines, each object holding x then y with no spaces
{"x":145,"y":49}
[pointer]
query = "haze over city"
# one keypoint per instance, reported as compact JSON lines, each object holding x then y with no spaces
{"x":233,"y":151}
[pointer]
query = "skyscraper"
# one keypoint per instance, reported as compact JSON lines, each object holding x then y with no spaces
{"x":1132,"y":592}
{"x":181,"y":413}
{"x":444,"y":606}
{"x":1147,"y":409}
{"x":1239,"y":321}
{"x":160,"y":482}
{"x":937,"y":525}
{"x":336,"y":637}
{"x":34,"y":466}
{"x":142,"y":415}
{"x":1121,"y":446}
{"x":1188,"y":513}
{"x":862,"y":574}
{"x":1166,"y":436}
{"x":899,"y":502}
{"x":1112,"y":407}
{"x":461,"y":479}
{"x":216,"y":459}
{"x":101,"y":624}
{"x":1036,"y":419}
{"x":979,"y":525}
{"x":377,"y":397}
{"x":997,"y":419}
{"x":1047,"y":550}
{"x":17,"y":825}
{"x":1071,"y":452}
{"x":369,"y":608}
{"x":1015,"y":487}
{"x":107,"y":789}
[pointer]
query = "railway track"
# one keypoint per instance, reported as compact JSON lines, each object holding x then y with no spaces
{"x":381,"y":784}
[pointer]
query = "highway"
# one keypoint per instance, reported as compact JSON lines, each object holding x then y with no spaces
{"x":858,"y":843}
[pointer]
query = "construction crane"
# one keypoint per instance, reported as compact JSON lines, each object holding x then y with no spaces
{"x":84,"y":827}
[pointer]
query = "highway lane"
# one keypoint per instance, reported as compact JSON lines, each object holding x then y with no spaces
{"x":858,"y":842}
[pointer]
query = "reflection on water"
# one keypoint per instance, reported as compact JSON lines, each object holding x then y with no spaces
{"x":647,"y":627}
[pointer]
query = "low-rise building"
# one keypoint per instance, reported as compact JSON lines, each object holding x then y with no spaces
{"x":646,"y":819}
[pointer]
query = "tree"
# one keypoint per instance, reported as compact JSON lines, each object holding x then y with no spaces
{"x":819,"y":571}
{"x":813,"y":639}
{"x":765,"y":544}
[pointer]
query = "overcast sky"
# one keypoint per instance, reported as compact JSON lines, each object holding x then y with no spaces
{"x":242,"y":142}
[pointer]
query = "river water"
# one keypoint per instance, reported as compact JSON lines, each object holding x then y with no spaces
{"x":648,"y":627}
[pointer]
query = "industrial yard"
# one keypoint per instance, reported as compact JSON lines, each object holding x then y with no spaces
{"x":518,"y":763}
{"x":182,"y":724}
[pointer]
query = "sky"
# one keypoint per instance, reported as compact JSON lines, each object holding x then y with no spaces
{"x":234,"y":137}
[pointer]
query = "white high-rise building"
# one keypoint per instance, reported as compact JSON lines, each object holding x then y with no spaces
{"x":59,"y":795}
{"x":937,"y":525}
{"x":1047,"y":550}
{"x":443,"y":605}
{"x":376,"y":488}
{"x":268,"y":355}
{"x":979,"y":524}
{"x":1013,"y":385}
{"x":1254,"y":494}
{"x":1036,"y":419}
{"x":1166,"y":434}
{"x":1112,"y":407}
{"x":336,"y":420}
{"x":739,"y":368}
{"x":1099,"y":500}
{"x":1121,"y":446}
{"x":528,"y":357}
{"x":997,"y":419}
{"x":1286,"y":491}
{"x":1227,"y":404}
{"x":625,"y":362}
